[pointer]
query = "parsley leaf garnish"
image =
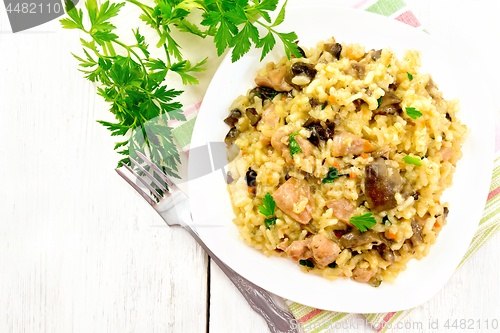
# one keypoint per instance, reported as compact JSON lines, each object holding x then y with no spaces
{"x":306,"y":263}
{"x":294,"y":146}
{"x":379,"y":101}
{"x":267,"y":209}
{"x":268,"y":205}
{"x":410,"y":77}
{"x":363,"y":222}
{"x":413,"y":113}
{"x":412,"y":160}
{"x":270,"y":221}
{"x":333,"y":173}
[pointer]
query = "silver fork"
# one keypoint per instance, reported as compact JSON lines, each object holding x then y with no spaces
{"x":174,"y":208}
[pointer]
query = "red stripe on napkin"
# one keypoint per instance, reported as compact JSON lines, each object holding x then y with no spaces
{"x":493,"y":193}
{"x":359,"y":4}
{"x":385,"y":320}
{"x":408,"y":18}
{"x":193,"y":108}
{"x":309,"y":315}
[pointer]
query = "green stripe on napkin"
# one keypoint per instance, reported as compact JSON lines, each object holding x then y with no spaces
{"x":386,"y":7}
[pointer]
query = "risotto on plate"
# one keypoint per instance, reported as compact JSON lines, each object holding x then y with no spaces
{"x":340,"y":159}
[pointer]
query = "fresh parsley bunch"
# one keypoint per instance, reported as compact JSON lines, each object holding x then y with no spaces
{"x":134,"y":83}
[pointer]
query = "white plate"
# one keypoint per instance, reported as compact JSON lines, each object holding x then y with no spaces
{"x":212,"y":207}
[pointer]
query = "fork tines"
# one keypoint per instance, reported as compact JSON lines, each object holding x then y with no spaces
{"x":158,"y":171}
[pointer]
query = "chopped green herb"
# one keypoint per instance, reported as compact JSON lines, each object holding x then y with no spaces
{"x":270,"y":221}
{"x":412,"y":160}
{"x":306,"y":263}
{"x":294,"y":146}
{"x":389,"y":66}
{"x":410,"y":77}
{"x":386,"y":221}
{"x":268,"y":205}
{"x":267,"y":209}
{"x":333,"y":173}
{"x":379,"y":101}
{"x":323,"y":106}
{"x":363,"y":222}
{"x":413,"y":113}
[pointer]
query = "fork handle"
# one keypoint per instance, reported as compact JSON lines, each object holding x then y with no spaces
{"x":277,"y":319}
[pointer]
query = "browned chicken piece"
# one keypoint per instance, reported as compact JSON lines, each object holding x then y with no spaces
{"x":446,"y":153}
{"x":305,"y":145}
{"x":275,"y":78}
{"x":324,"y":251}
{"x":264,"y":140}
{"x":283,"y":245}
{"x":299,"y":250}
{"x":292,"y":193}
{"x":270,"y":117}
{"x":278,"y":142}
{"x":343,"y":209}
{"x":347,"y":143}
{"x":363,"y":275}
{"x":382,"y":182}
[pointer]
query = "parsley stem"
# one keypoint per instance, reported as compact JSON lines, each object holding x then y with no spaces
{"x":111,"y":49}
{"x":143,"y":7}
{"x":130,"y":50}
{"x":105,"y":50}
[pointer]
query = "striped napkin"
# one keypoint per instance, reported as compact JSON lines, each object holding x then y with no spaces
{"x":315,"y":320}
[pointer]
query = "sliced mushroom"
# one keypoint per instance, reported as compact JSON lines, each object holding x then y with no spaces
{"x":356,"y":238}
{"x":382,"y":182}
{"x":386,"y":253}
{"x":376,"y":55}
{"x":318,"y":132}
{"x":334,"y":48}
{"x":233,"y":117}
{"x":417,"y":237}
{"x":262,"y":92}
{"x":300,"y":74}
{"x":359,"y":69}
{"x":253,"y":116}
{"x":232,"y":135}
{"x":389,"y":104}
